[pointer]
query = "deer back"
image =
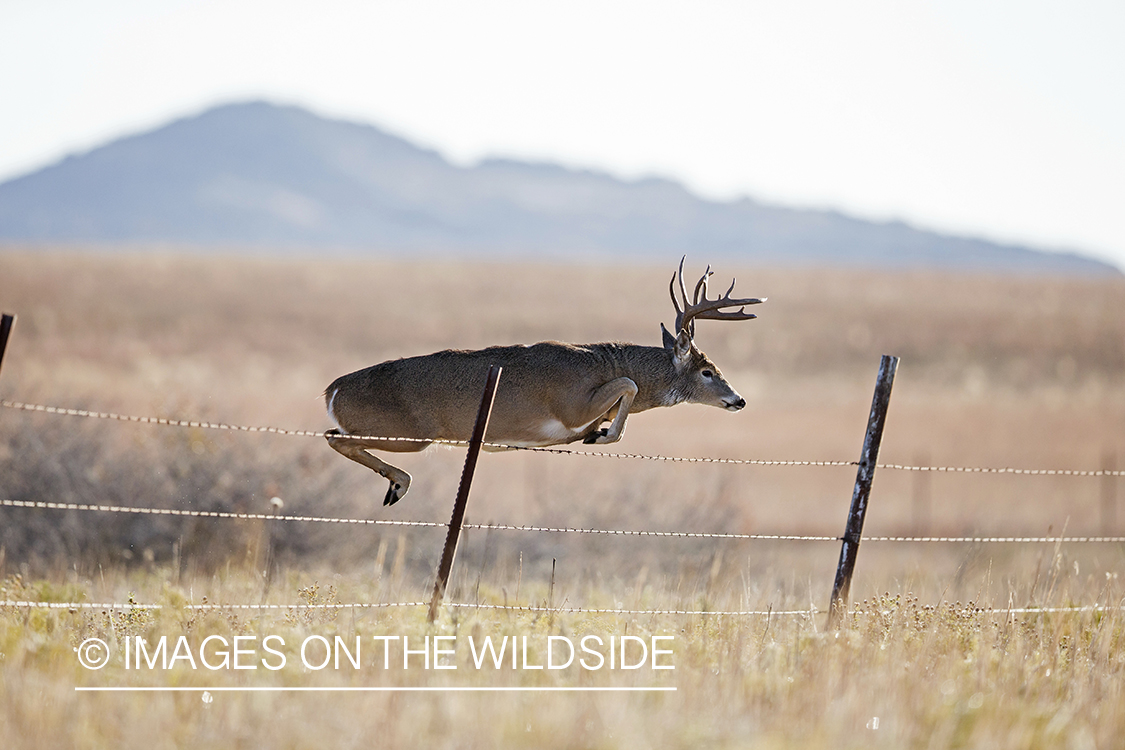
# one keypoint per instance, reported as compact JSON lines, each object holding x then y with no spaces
{"x":437,"y":395}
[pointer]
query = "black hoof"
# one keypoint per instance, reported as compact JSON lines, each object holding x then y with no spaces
{"x":593,"y":436}
{"x":392,"y":496}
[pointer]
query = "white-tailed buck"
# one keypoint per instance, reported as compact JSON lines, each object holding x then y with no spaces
{"x":549,"y":393}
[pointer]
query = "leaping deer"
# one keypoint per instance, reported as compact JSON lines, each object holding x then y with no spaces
{"x":550,"y":393}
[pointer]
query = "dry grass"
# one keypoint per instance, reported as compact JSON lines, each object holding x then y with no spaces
{"x":897,"y":674}
{"x":995,"y":372}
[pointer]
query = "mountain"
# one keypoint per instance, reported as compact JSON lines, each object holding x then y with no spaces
{"x":261,"y":175}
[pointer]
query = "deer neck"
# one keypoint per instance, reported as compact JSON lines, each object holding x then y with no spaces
{"x":654,"y":371}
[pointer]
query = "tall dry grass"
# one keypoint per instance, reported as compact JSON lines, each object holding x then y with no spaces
{"x":898,"y":673}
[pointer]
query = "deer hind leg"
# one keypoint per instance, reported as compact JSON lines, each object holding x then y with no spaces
{"x":615,"y":396}
{"x":356,"y":450}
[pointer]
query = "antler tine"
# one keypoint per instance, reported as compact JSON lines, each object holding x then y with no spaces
{"x":683,"y":293}
{"x":675,"y":304}
{"x":672,"y":293}
{"x":702,"y":284}
{"x":702,"y":308}
{"x":680,"y":276}
{"x":728,"y":302}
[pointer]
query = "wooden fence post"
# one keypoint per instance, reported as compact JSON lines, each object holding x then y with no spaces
{"x":455,"y":523}
{"x":849,"y":547}
{"x":6,"y":322}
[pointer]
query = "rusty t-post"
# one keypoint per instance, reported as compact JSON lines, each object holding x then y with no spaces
{"x":458,"y":518}
{"x":854,"y":531}
{"x":6,"y":322}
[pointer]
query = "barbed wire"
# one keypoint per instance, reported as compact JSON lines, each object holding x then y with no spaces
{"x":1008,"y":470}
{"x":196,"y":424}
{"x":212,"y":513}
{"x":811,"y":612}
{"x":199,"y":424}
{"x":673,"y":459}
{"x":40,"y":504}
{"x":628,"y":532}
{"x":134,"y":606}
{"x":1000,"y":539}
{"x":302,"y":606}
{"x":200,"y":607}
{"x":44,"y":505}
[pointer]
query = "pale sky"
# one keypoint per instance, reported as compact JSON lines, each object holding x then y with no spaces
{"x":997,"y":119}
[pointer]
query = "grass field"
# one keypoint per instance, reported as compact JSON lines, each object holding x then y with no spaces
{"x":1024,"y":372}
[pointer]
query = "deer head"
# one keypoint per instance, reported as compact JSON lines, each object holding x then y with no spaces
{"x":702,"y":381}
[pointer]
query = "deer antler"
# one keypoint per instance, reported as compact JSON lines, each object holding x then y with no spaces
{"x":701,"y":308}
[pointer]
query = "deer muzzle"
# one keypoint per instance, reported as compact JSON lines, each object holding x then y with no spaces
{"x":734,"y":404}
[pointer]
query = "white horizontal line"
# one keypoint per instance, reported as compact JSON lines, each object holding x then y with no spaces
{"x":301,"y":607}
{"x":46,"y":505}
{"x":371,"y":689}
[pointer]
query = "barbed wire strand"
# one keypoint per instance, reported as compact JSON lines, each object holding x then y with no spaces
{"x":199,"y":424}
{"x":211,"y":513}
{"x":43,"y":505}
{"x":133,"y":606}
{"x":812,"y":612}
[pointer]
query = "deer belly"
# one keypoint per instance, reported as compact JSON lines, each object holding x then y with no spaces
{"x":549,"y":431}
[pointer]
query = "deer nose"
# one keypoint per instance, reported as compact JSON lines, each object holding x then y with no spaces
{"x":736,"y":405}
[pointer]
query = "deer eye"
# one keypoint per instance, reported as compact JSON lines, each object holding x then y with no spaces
{"x":707,"y":374}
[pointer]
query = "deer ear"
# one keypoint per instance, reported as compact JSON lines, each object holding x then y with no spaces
{"x":681,"y":347}
{"x":669,"y":339}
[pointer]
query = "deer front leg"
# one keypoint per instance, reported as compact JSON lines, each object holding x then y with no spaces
{"x":616,"y":394}
{"x":356,"y":450}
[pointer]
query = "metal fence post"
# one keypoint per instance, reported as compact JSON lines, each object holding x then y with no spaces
{"x":458,"y":518}
{"x":854,"y":531}
{"x":6,"y":322}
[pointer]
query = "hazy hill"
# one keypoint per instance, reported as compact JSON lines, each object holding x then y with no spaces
{"x":256,"y":174}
